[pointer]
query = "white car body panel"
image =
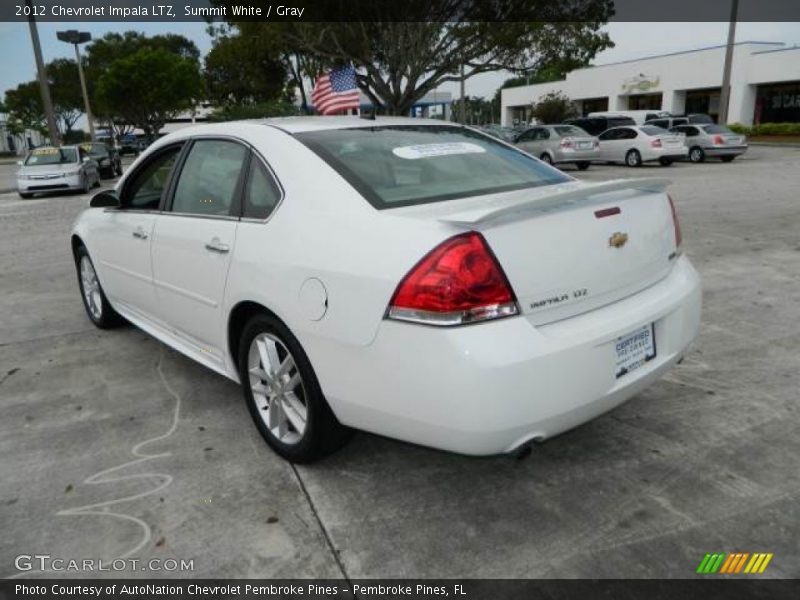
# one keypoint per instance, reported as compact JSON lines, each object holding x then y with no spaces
{"x":478,"y":389}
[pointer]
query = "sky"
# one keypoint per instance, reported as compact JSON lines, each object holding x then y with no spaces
{"x":633,"y":40}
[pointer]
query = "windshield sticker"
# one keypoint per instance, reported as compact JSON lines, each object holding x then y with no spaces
{"x":433,"y":150}
{"x":44,"y":151}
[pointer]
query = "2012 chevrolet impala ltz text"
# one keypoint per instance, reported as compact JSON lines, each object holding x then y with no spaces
{"x":411,"y":278}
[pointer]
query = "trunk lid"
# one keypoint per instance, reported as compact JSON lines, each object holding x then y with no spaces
{"x":573,"y":247}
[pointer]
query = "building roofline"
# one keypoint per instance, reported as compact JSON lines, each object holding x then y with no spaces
{"x":795,"y":47}
{"x":622,"y":62}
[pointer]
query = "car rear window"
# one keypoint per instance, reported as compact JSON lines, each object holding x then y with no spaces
{"x":403,"y":165}
{"x":567,"y":130}
{"x":716,"y":129}
{"x":653,"y":130}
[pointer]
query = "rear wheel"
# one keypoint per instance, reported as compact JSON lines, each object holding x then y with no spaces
{"x":696,"y":154}
{"x":98,"y":309}
{"x":727,"y":158}
{"x":545,"y":157}
{"x":283,"y":394}
{"x":665,"y":162}
{"x":633,"y":158}
{"x":583,"y":165}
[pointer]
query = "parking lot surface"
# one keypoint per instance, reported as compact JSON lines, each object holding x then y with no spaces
{"x":115,"y":446}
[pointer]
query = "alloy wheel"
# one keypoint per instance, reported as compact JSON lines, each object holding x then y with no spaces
{"x":91,"y":288}
{"x":277,"y":388}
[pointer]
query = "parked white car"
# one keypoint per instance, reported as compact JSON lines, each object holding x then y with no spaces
{"x":637,"y":145}
{"x":55,"y":169}
{"x":411,"y":278}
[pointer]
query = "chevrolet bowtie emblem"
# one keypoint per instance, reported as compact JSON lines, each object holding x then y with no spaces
{"x":618,"y":240}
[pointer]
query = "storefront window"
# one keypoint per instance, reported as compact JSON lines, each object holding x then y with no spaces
{"x":778,"y":103}
{"x":644,"y":102}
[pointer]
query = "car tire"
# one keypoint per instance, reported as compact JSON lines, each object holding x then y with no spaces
{"x":25,"y":196}
{"x":545,"y":157}
{"x":633,"y":158}
{"x":118,"y":169}
{"x":583,"y":165}
{"x":696,"y":154}
{"x":303,"y":428}
{"x":727,"y":159}
{"x":95,"y":302}
{"x":665,"y":162}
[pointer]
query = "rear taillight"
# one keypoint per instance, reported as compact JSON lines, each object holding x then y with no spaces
{"x":459,"y":281}
{"x":718,"y":140}
{"x":566,"y":143}
{"x":656,"y":143}
{"x":675,"y":223}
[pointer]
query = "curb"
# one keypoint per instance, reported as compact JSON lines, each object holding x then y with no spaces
{"x":775,"y":144}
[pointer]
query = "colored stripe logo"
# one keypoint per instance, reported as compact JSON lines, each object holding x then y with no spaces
{"x":733,"y":563}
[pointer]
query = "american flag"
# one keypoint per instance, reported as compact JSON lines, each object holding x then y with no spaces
{"x":336,"y":91}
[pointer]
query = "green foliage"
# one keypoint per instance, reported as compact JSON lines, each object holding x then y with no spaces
{"x":553,"y":108}
{"x":24,"y":104}
{"x":403,"y":50}
{"x":149,"y":87}
{"x":242,"y":71}
{"x":262,"y":110}
{"x":767,"y":129}
{"x":65,"y":88}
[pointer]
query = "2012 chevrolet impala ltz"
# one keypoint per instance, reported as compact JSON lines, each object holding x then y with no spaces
{"x":406,"y":277}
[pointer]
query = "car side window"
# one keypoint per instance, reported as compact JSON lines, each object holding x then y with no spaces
{"x":144,"y":191}
{"x":209,"y":177}
{"x":261,"y":193}
{"x":663,"y":123}
{"x":526,"y":136}
{"x":609,"y":135}
{"x":542,"y":134}
{"x":690,"y":131}
{"x":628,"y":134}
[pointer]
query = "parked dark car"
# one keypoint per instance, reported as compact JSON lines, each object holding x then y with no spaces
{"x":131,"y":146}
{"x":597,"y":125}
{"x":698,"y":119}
{"x":107,"y":157}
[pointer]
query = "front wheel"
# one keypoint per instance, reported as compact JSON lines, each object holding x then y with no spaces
{"x":583,"y":165}
{"x":283,"y":394}
{"x":98,"y":309}
{"x":633,"y":158}
{"x":696,"y":155}
{"x":665,"y":162}
{"x":85,"y":185}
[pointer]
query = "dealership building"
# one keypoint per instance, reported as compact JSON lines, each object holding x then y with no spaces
{"x":765,"y":85}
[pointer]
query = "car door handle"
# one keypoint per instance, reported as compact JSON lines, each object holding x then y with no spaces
{"x":140,"y":233}
{"x":216,"y":246}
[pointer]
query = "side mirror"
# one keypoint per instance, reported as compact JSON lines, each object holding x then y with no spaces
{"x":105,"y":199}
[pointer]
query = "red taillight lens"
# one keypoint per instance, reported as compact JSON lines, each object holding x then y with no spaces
{"x":718,"y":140}
{"x":459,"y":281}
{"x":656,"y":143}
{"x":676,"y":223}
{"x":566,"y":143}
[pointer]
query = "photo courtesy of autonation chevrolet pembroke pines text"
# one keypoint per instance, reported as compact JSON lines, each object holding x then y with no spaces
{"x":381,"y":299}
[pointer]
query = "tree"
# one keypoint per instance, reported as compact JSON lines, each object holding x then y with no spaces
{"x":65,"y":86}
{"x":103,"y":52}
{"x":24,"y":104}
{"x":149,"y":87}
{"x":241,"y":71}
{"x":403,"y":50}
{"x":552,"y":108}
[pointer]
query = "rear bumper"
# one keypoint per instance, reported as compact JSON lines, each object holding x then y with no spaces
{"x":716,"y":151}
{"x":670,"y":153}
{"x":488,"y":388}
{"x":571,"y":156}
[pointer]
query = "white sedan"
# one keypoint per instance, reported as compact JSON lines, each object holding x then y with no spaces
{"x":411,"y":278}
{"x":635,"y":145}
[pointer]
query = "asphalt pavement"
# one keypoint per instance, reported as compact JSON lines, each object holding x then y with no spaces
{"x":113,"y":445}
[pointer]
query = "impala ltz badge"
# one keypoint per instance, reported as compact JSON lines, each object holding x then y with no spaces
{"x":618,"y":240}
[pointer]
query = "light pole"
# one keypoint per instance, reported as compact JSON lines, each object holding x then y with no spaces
{"x":44,"y":87}
{"x":725,"y":91}
{"x":75,"y":37}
